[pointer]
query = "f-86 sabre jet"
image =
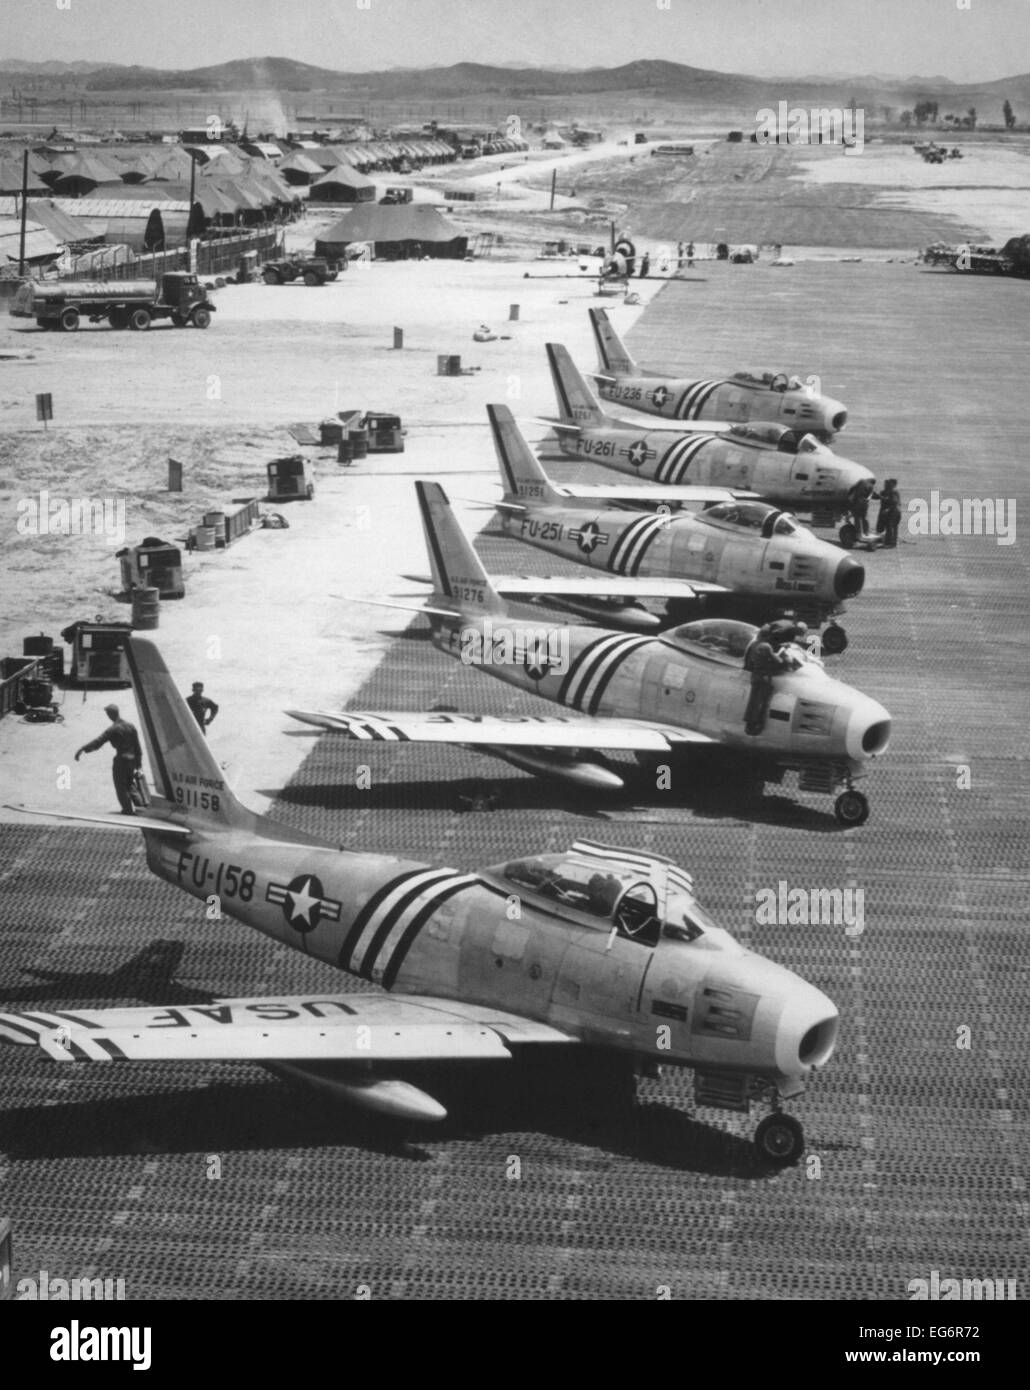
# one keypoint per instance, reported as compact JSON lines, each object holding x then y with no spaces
{"x":610,"y":949}
{"x":736,"y":399}
{"x":747,"y":559}
{"x":781,"y":465}
{"x":649,"y":695}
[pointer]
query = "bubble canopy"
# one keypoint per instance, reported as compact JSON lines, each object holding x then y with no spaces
{"x":719,"y":639}
{"x":641,"y":896}
{"x":755,"y":518}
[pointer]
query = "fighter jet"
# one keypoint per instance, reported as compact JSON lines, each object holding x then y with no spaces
{"x":782,"y":465}
{"x":649,"y":695}
{"x":742,"y":397}
{"x":610,"y":949}
{"x":746,"y":558}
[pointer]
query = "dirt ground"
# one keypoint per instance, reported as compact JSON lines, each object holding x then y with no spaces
{"x":271,"y":614}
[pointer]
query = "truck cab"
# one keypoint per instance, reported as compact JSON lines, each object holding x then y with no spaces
{"x":290,"y":478}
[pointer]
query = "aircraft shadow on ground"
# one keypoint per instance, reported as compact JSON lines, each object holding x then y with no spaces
{"x":225,"y":1118}
{"x":713,"y":801}
{"x":147,"y":978}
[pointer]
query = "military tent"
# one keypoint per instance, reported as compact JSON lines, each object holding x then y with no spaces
{"x":343,"y":184}
{"x":397,"y":232}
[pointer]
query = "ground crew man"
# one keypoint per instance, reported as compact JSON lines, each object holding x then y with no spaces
{"x":764,"y":659}
{"x":128,"y":756}
{"x":204,"y":710}
{"x":889,"y":518}
{"x":860,"y":495}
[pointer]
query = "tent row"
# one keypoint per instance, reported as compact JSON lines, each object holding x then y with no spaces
{"x":70,"y":175}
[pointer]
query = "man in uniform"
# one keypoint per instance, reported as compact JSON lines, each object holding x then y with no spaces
{"x":889,"y":517}
{"x":128,"y":755}
{"x":859,"y":507}
{"x":204,"y":710}
{"x":764,"y":658}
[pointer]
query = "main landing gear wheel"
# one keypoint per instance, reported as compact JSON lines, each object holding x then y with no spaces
{"x":848,"y":535}
{"x":851,"y":808}
{"x":780,"y":1140}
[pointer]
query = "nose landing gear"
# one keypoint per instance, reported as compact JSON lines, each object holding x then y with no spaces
{"x":780,"y":1139}
{"x":851,"y":807}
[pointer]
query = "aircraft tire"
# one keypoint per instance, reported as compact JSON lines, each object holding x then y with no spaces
{"x":851,"y":808}
{"x":834,"y":640}
{"x":780,"y":1140}
{"x":847,"y":535}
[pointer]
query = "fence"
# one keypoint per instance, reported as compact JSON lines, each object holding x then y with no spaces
{"x":14,"y":670}
{"x":213,"y":256}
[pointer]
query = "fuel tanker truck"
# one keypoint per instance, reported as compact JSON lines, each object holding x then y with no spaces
{"x":133,"y":304}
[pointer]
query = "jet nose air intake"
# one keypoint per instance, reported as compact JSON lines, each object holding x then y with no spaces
{"x":869,"y":730}
{"x":807,"y":1031}
{"x":839,"y":419}
{"x":849,"y":578}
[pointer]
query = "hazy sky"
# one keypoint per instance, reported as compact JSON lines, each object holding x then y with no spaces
{"x":989,"y":39}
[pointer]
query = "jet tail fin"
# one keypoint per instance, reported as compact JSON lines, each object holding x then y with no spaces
{"x":186,"y":776}
{"x":577,"y":404}
{"x":612,"y":355}
{"x":459,"y":579}
{"x":524,"y":480}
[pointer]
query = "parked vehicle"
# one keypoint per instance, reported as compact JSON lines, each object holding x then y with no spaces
{"x":313,"y":270}
{"x":63,"y":304}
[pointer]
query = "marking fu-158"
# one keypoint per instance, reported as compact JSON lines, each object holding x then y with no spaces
{"x":649,"y":695}
{"x":609,"y":948}
{"x":745,"y":558}
{"x":736,"y":399}
{"x":783,"y":465}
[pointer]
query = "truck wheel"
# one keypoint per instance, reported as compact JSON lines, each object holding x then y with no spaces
{"x":69,"y":320}
{"x":311,"y":278}
{"x":201,"y":318}
{"x":139,"y":319}
{"x":119,"y":318}
{"x":271,"y":277}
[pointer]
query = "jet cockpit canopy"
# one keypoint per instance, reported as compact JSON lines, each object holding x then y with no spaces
{"x":719,"y":639}
{"x":773,"y":381}
{"x":756,"y":518}
{"x":641,"y":896}
{"x":780,"y":437}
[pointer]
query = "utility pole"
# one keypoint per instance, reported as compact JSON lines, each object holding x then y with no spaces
{"x":193,"y":189}
{"x":24,"y":208}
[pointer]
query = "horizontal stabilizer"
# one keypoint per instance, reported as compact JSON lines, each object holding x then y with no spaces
{"x":110,"y":822}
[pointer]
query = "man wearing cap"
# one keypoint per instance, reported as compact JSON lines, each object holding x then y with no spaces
{"x":128,"y":755}
{"x":204,"y":710}
{"x":889,"y":517}
{"x":765,"y":659}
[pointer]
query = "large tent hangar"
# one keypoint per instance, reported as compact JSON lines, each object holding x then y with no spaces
{"x":397,"y":232}
{"x":344,"y":184}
